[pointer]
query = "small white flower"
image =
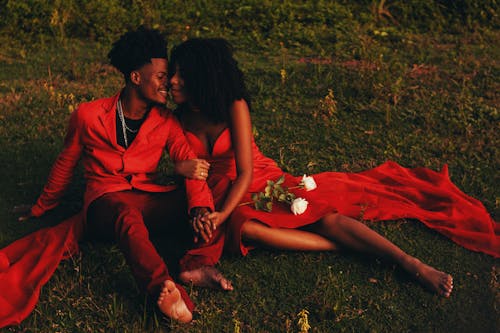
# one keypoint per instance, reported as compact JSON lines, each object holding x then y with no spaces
{"x":299,"y":206}
{"x":308,"y":182}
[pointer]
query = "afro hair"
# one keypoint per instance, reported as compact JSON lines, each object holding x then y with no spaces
{"x":136,"y":48}
{"x":212,"y":78}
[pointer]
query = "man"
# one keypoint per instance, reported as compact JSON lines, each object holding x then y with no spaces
{"x":120,"y":141}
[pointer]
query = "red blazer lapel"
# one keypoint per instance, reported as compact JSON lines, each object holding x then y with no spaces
{"x":153,"y":120}
{"x":108,"y":120}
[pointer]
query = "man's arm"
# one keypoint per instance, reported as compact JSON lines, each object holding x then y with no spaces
{"x":197,"y":191}
{"x":62,"y":169}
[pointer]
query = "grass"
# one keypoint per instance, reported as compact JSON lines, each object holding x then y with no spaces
{"x":343,"y":99}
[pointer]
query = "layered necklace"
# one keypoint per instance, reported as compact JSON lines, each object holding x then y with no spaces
{"x":125,"y":128}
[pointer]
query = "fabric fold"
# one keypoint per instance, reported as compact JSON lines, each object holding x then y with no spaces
{"x":28,"y":263}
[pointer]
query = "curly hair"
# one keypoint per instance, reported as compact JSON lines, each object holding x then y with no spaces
{"x":212,"y":78}
{"x":136,"y":48}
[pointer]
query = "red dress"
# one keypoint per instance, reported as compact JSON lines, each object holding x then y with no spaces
{"x":386,"y":192}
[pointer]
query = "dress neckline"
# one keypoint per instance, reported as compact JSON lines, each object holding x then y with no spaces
{"x":209,"y":153}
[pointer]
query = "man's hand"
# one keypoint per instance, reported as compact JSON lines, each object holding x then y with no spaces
{"x":200,"y":224}
{"x":24,"y":212}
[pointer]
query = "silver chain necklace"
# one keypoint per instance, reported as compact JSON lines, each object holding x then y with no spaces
{"x":125,"y":128}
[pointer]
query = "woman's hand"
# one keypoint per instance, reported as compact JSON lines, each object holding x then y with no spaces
{"x":216,"y":219}
{"x":193,"y":169}
{"x":24,"y":212}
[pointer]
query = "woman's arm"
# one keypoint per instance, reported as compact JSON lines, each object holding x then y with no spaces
{"x":241,"y":137}
{"x":197,"y":191}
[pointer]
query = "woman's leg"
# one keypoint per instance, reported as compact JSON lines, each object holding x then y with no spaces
{"x":253,"y":231}
{"x":285,"y":239}
{"x":357,"y":236}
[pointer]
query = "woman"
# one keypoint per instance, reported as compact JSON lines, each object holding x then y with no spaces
{"x":213,"y":108}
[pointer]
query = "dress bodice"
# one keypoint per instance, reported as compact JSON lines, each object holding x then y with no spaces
{"x":222,"y":160}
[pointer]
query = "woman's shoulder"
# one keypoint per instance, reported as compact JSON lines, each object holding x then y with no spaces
{"x":240,"y":113}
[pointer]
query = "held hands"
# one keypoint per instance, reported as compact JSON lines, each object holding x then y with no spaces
{"x":216,"y":218}
{"x":203,"y":223}
{"x":24,"y":212}
{"x":200,"y":224}
{"x":194,"y":169}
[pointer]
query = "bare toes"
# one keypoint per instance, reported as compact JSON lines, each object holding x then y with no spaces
{"x":226,"y":284}
{"x":206,"y":276}
{"x":171,"y":303}
{"x":448,"y":286}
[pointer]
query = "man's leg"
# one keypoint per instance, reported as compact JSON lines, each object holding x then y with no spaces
{"x":122,"y":215}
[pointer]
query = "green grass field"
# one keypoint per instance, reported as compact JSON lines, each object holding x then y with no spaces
{"x":336,"y":86}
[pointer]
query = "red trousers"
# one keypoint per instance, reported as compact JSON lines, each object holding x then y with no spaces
{"x":129,"y":217}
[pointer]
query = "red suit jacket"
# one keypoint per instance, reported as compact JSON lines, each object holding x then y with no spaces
{"x":28,"y":263}
{"x":108,"y":167}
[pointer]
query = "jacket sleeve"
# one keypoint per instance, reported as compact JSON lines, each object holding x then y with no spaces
{"x":62,"y":169}
{"x":197,"y":191}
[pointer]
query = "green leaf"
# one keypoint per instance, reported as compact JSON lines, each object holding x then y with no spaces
{"x":281,"y":180}
{"x":267,"y":190}
{"x":278,"y":190}
{"x":269,"y":206}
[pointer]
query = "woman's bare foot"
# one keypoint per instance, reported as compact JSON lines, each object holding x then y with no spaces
{"x":171,"y":303}
{"x":206,"y":276}
{"x":436,"y":281}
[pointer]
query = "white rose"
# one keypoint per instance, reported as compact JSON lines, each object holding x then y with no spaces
{"x":299,"y":206}
{"x":309,"y":183}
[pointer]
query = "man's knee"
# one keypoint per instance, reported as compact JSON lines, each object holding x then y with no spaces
{"x":128,"y":220}
{"x":112,"y":202}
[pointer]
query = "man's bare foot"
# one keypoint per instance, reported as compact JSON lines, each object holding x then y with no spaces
{"x":206,"y":276}
{"x":171,"y":303}
{"x":436,"y":281}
